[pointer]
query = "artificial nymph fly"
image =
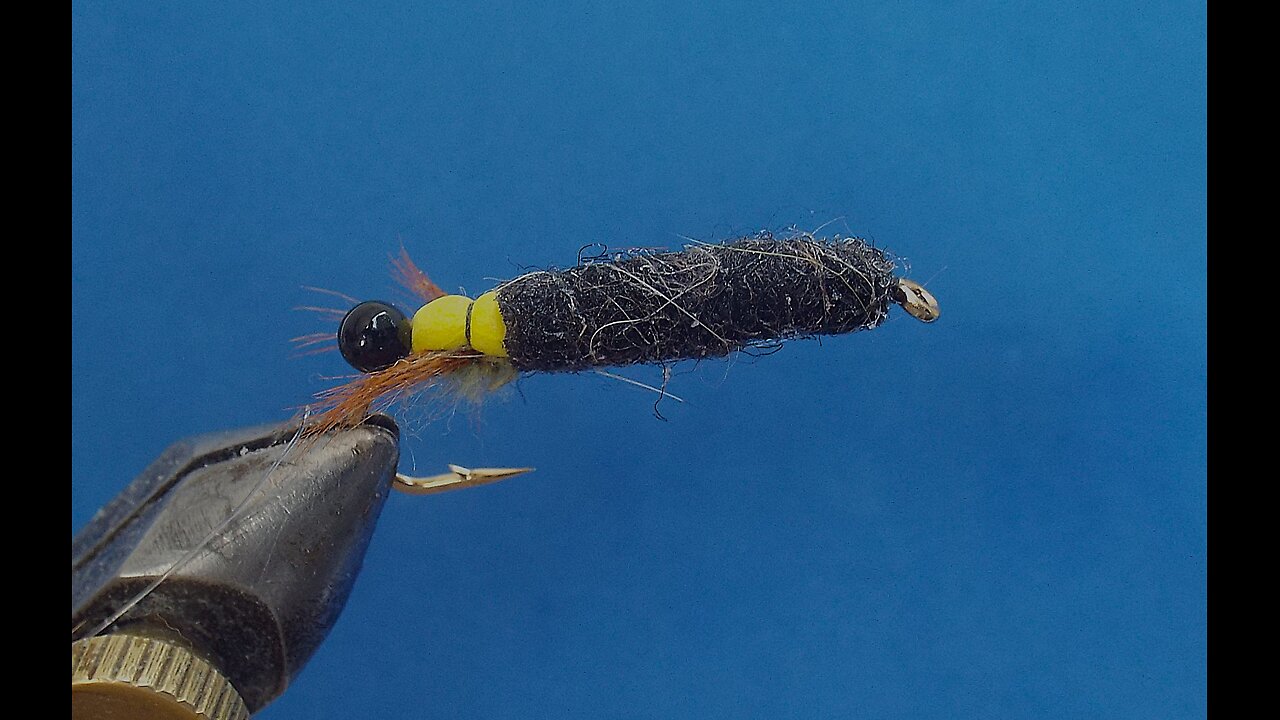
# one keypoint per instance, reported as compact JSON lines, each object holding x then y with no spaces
{"x":705,"y":301}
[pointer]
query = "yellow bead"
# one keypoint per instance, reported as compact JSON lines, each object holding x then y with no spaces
{"x":441,"y":324}
{"x":487,"y":328}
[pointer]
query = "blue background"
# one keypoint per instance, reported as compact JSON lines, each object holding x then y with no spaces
{"x":1000,"y":515}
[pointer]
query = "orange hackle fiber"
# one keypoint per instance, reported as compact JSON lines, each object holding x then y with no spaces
{"x":347,"y":405}
{"x":407,"y":274}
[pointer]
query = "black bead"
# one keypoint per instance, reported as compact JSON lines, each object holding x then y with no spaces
{"x":374,"y":335}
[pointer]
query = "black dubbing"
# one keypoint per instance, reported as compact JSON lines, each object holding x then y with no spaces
{"x":704,"y":301}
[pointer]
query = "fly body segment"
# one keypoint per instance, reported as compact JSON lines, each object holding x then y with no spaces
{"x":705,"y":301}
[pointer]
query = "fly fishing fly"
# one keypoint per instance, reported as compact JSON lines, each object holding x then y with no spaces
{"x":705,"y":301}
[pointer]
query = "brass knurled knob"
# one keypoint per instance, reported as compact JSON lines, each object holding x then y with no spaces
{"x":145,"y":678}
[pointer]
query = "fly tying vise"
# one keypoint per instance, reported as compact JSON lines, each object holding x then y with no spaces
{"x":707,"y":300}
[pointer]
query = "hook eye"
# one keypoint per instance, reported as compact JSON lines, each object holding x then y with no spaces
{"x":918,"y":302}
